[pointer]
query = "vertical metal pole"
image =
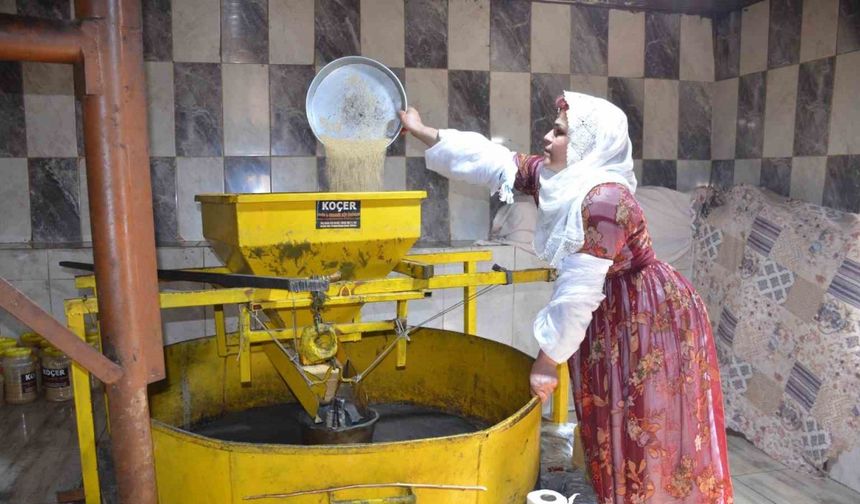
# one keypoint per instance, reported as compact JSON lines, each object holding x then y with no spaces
{"x":470,"y":308}
{"x":117,"y":152}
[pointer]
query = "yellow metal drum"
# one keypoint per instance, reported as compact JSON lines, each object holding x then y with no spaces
{"x":460,"y":374}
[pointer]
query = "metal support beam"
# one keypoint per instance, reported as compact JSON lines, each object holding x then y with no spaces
{"x":30,"y":314}
{"x":34,"y":39}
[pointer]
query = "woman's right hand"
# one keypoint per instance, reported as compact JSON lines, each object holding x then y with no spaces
{"x":412,"y":123}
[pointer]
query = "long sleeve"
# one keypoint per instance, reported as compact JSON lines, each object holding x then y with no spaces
{"x":561,"y":326}
{"x":471,"y":158}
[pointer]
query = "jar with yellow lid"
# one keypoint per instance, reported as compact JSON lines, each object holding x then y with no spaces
{"x":56,"y":375}
{"x":6,"y":343}
{"x":31,"y":340}
{"x":19,"y":372}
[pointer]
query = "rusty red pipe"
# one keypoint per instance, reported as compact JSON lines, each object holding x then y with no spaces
{"x":108,"y":42}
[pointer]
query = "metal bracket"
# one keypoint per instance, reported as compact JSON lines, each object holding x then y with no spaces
{"x":509,"y":275}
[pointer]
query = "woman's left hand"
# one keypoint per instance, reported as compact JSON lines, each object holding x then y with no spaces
{"x":544,"y":377}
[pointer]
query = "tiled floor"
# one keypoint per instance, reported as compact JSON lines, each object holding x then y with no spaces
{"x":39,"y":456}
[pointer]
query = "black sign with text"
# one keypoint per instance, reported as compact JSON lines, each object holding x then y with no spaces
{"x":338,"y":214}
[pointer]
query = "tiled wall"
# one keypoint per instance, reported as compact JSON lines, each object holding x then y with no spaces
{"x":226,"y":83}
{"x":786,"y":105}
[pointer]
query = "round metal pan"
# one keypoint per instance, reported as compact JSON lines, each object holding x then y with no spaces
{"x":355,"y":98}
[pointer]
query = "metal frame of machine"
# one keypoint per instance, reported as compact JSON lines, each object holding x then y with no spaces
{"x":418,"y":279}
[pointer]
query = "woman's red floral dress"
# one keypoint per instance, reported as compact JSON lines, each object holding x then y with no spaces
{"x":646,"y":378}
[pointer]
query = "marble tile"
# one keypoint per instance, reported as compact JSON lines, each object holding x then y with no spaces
{"x":184,"y":323}
{"x":244,"y":31}
{"x":468,"y":34}
{"x":754,"y":35}
{"x":747,"y":171}
{"x":24,"y":264}
{"x":54,"y":211}
{"x":626,"y":47}
{"x":694,"y":120}
{"x":247,"y":175}
{"x":844,"y":135}
{"x":14,"y":201}
{"x":383,"y":31}
{"x":589,"y":40}
{"x":724,"y":119}
{"x":629,"y":95}
{"x":195,"y":176}
{"x":198,"y":115}
{"x":294,"y":174}
{"x":697,"y":49}
{"x":662,"y":173}
{"x":510,"y":35}
{"x":8,"y":7}
{"x":394,"y":176}
{"x":38,"y":291}
{"x":84,"y":202}
{"x":13,"y":133}
{"x":776,"y":175}
{"x":842,"y":183}
{"x":48,"y":79}
{"x":157,"y":30}
{"x":662,"y":45}
{"x":338,"y":29}
{"x":812,"y":119}
{"x":727,"y":45}
{"x":291,"y":133}
{"x":163,"y":178}
{"x":786,"y":20}
{"x":751,"y":102}
{"x":322,"y":175}
{"x":550,"y":45}
{"x":57,"y":255}
{"x":426,"y":34}
{"x":545,"y":89}
{"x":469,"y":206}
{"x":510,"y":109}
{"x":50,"y":125}
{"x":435,"y":216}
{"x":246,"y":110}
{"x":469,"y":101}
{"x":196,"y":31}
{"x":692,"y":174}
{"x":161,"y":108}
{"x":594,"y":85}
{"x":819,"y":29}
{"x":79,"y":126}
{"x":723,"y":173}
{"x":428,"y":92}
{"x":807,"y":178}
{"x":291,"y":32}
{"x":779,"y":112}
{"x":848,"y":38}
{"x":48,"y":9}
{"x":660,"y":128}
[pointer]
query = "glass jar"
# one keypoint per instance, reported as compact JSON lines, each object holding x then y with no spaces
{"x":56,"y":375}
{"x":20,"y":376}
{"x":5,"y":344}
{"x":30,"y":340}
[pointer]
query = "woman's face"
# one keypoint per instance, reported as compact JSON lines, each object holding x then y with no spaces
{"x":555,"y":144}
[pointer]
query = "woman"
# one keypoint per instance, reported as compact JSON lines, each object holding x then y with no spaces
{"x":633,"y":330}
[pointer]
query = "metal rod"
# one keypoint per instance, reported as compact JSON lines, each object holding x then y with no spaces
{"x":229,"y":279}
{"x":117,"y":154}
{"x":33,"y":39}
{"x":474,"y":488}
{"x":30,"y":314}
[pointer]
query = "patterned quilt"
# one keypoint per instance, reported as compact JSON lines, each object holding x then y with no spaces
{"x":781,"y":280}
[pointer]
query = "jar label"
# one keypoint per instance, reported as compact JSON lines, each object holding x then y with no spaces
{"x":55,"y":377}
{"x":28,"y":382}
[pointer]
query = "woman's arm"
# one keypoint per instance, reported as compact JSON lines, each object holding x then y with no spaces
{"x":465,"y":156}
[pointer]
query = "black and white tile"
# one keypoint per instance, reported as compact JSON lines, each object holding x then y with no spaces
{"x":435,"y":216}
{"x":776,"y":175}
{"x":510,"y":35}
{"x":750,"y":119}
{"x":842,"y":183}
{"x":783,"y":46}
{"x":199,"y":119}
{"x":426,"y":34}
{"x":727,"y":45}
{"x":337,"y":28}
{"x":662,"y":45}
{"x":247,"y":175}
{"x":54,"y":196}
{"x":629,"y":96}
{"x":694,"y":120}
{"x":13,"y":132}
{"x":469,"y":101}
{"x":662,"y":173}
{"x":157,"y":30}
{"x":589,"y":40}
{"x":163,"y":179}
{"x":545,"y":89}
{"x":814,"y":95}
{"x":244,"y":31}
{"x":291,"y":133}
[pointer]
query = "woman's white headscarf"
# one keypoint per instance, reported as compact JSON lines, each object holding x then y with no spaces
{"x":598,"y":152}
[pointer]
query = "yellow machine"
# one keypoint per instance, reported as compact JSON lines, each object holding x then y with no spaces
{"x":308,"y":344}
